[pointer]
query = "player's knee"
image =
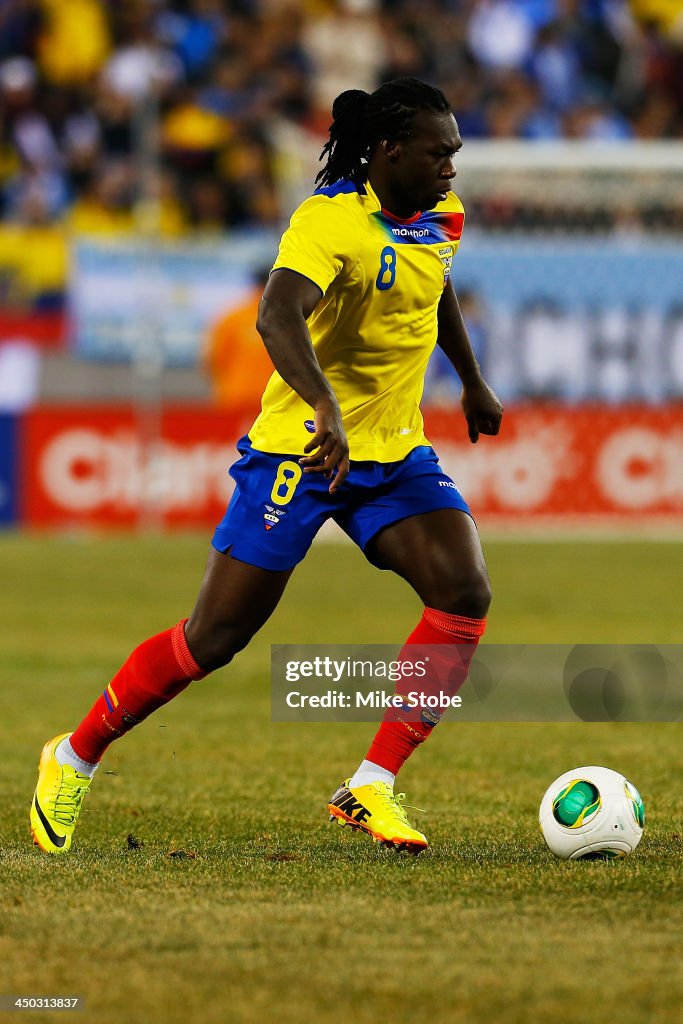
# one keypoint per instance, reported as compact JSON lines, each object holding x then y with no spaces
{"x":466,"y":594}
{"x":214,"y":645}
{"x":478,"y":595}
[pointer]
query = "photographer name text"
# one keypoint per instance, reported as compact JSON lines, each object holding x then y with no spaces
{"x":373,"y":699}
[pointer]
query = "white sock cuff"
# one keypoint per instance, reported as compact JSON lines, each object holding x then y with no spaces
{"x":368,"y":772}
{"x":66,"y":754}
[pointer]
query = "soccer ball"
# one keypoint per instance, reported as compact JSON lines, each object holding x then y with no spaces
{"x":592,"y":813}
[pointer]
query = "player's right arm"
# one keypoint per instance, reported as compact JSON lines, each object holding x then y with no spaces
{"x":288,"y":300}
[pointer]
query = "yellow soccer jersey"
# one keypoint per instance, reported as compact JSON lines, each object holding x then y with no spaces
{"x":376,"y":325}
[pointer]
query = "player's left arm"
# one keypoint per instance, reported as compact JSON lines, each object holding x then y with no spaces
{"x":480,"y":405}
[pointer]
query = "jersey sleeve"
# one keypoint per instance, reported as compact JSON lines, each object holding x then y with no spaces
{"x":323,"y":238}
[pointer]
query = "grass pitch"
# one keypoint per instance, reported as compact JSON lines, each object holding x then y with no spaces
{"x":235,"y":901}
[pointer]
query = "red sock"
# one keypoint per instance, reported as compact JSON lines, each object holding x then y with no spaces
{"x":400,"y":732}
{"x":156,"y":672}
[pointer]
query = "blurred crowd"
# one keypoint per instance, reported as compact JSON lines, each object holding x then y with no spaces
{"x":91,"y":90}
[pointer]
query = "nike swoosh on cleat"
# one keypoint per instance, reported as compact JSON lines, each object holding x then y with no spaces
{"x":51,"y":834}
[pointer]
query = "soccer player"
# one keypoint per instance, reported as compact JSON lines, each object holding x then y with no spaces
{"x":358,"y":297}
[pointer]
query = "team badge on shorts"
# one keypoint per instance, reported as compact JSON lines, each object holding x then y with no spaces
{"x":272,"y":516}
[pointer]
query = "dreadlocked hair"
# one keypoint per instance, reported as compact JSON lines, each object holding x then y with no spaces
{"x":362,"y":120}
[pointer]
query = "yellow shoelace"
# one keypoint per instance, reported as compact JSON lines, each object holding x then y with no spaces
{"x":395,"y":800}
{"x":67,"y":802}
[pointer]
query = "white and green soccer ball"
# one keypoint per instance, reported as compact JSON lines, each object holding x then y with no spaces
{"x":592,"y":813}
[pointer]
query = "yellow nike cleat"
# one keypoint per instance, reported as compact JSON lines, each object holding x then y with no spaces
{"x":57,"y":800}
{"x":374,"y":809}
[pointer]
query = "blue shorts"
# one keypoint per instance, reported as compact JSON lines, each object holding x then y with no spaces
{"x":276,"y":509}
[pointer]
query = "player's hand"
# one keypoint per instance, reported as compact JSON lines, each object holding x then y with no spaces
{"x":328,"y":450}
{"x":482,"y":409}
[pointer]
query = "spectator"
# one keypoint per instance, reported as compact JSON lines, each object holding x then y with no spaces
{"x":345,"y":45}
{"x":500,"y":34}
{"x":140,"y":65}
{"x":195,"y":35}
{"x":231,"y":78}
{"x":235,"y":356}
{"x":106,"y":205}
{"x":33,"y":256}
{"x":74,"y":41}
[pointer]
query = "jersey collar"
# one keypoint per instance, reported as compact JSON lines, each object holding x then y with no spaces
{"x":387,"y":213}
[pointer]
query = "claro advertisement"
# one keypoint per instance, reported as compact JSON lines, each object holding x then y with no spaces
{"x":111,"y":467}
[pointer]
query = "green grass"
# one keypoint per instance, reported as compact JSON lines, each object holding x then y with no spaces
{"x":269,"y":914}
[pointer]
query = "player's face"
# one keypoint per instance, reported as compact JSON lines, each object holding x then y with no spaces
{"x":422,"y":166}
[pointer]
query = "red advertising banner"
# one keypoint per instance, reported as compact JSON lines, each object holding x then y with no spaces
{"x":114,"y":467}
{"x":574,"y":463}
{"x":93,"y":467}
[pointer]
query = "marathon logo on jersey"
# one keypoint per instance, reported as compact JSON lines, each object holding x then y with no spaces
{"x":431,"y":228}
{"x":401,"y":232}
{"x":310,"y":426}
{"x":272,"y":516}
